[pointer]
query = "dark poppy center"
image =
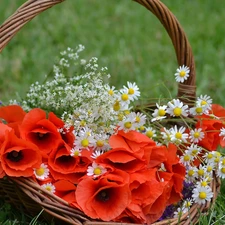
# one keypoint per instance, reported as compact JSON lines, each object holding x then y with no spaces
{"x":41,"y":136}
{"x":103,"y":196}
{"x":15,"y":156}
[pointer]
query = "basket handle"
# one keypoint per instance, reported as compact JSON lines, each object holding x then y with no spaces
{"x":186,"y":90}
{"x":23,"y":15}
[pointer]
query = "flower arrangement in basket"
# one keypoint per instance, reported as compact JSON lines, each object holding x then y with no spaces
{"x":85,"y":153}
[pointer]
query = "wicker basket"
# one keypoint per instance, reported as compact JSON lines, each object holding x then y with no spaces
{"x":27,"y":195}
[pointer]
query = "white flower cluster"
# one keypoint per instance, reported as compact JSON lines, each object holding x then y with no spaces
{"x":83,"y":100}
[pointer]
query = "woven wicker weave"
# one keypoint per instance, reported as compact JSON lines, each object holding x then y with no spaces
{"x":27,"y":195}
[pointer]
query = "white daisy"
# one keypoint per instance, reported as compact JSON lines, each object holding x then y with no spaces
{"x":49,"y":187}
{"x":182,"y":74}
{"x":95,"y":170}
{"x":179,"y":212}
{"x":194,"y":150}
{"x":75,"y":152}
{"x":198,"y":110}
{"x":221,"y":171}
{"x":140,"y":118}
{"x":166,"y":135}
{"x":202,"y":194}
{"x":188,"y":203}
{"x":186,"y":158}
{"x":204,"y":100}
{"x":177,"y":108}
{"x":84,"y":140}
{"x":222,"y":133}
{"x":128,"y":123}
{"x":159,"y":113}
{"x":132,"y":90}
{"x":178,"y":136}
{"x":150,"y":132}
{"x":196,"y":135}
{"x":96,"y":154}
{"x":42,"y":172}
{"x":191,"y":174}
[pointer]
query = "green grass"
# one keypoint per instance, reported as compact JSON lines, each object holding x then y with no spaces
{"x":127,"y":39}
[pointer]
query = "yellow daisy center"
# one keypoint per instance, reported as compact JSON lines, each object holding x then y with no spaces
{"x":149,"y":133}
{"x":127,"y":125}
{"x":191,"y":173}
{"x":82,"y":123}
{"x":126,"y":112}
{"x":222,"y":170}
{"x":85,"y":143}
{"x":186,"y":158}
{"x":203,"y":183}
{"x":131,"y":91}
{"x":137,"y":119}
{"x":201,"y":172}
{"x":48,"y":188}
{"x":203,"y":102}
{"x":100,"y":143}
{"x":198,"y":110}
{"x":111,"y":92}
{"x":124,"y":97}
{"x":182,"y":73}
{"x":76,"y":153}
{"x":120,"y":117}
{"x":142,"y":128}
{"x":161,"y":112}
{"x":194,"y":152}
{"x":116,"y":106}
{"x":188,"y":204}
{"x":202,"y":195}
{"x":97,"y":171}
{"x":177,"y":111}
{"x":196,"y":135}
{"x":209,"y":168}
{"x":40,"y":171}
{"x":209,"y":156}
{"x":178,"y":135}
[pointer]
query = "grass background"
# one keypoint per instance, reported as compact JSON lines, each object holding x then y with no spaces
{"x":127,"y":39}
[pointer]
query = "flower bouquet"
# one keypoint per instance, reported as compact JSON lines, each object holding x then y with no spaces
{"x":84,"y":152}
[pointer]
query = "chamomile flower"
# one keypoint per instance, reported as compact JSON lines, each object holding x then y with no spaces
{"x":194,"y":150}
{"x":196,"y":135}
{"x":128,"y":123}
{"x":178,"y":135}
{"x":179,"y":212}
{"x":75,"y":152}
{"x":84,"y":140}
{"x":159,"y":113}
{"x":182,"y":74}
{"x":191,"y":174}
{"x":222,"y":133}
{"x":198,"y":110}
{"x":150,"y":132}
{"x":96,"y":154}
{"x":202,"y":194}
{"x":202,"y":171}
{"x":188,"y":203}
{"x":124,"y":98}
{"x":132,"y":90}
{"x":140,"y":118}
{"x":49,"y":187}
{"x":111,"y":90}
{"x":176,"y":108}
{"x":96,"y":170}
{"x":204,"y":100}
{"x":166,"y":135}
{"x":209,"y":157}
{"x":42,"y":172}
{"x":186,"y":158}
{"x":221,"y":171}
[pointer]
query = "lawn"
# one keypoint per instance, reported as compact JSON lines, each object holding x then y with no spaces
{"x":127,"y":39}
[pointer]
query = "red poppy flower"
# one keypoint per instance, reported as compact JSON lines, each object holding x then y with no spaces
{"x":65,"y":190}
{"x":13,"y":115}
{"x":19,"y":157}
{"x":174,"y":174}
{"x":40,"y":131}
{"x":64,"y":166}
{"x":67,"y":135}
{"x":104,"y":198}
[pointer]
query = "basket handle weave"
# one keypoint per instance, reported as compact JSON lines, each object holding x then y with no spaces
{"x":186,"y":90}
